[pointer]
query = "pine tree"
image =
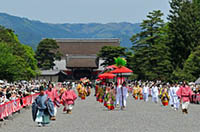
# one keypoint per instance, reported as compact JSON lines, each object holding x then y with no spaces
{"x":184,"y":30}
{"x":151,"y":56}
{"x":191,"y":70}
{"x":108,"y":53}
{"x":47,"y":53}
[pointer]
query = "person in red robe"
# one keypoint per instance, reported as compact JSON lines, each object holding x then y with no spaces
{"x":53,"y":95}
{"x":68,"y":99}
{"x":184,"y":93}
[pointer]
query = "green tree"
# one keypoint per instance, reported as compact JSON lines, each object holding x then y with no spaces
{"x":191,"y":70}
{"x":19,"y":59}
{"x":47,"y":53}
{"x":151,"y":58}
{"x":30,"y":62}
{"x":108,"y":53}
{"x":11,"y":66}
{"x":8,"y":36}
{"x":184,"y":30}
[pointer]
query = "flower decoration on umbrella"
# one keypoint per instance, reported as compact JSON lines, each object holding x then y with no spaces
{"x":119,"y":61}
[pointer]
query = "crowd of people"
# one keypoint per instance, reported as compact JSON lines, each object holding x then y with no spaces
{"x":114,"y":95}
{"x":111,"y":95}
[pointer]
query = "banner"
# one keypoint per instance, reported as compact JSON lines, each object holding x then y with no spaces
{"x":10,"y":107}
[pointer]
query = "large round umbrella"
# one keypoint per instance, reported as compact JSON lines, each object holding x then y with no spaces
{"x":107,"y":75}
{"x":122,"y":69}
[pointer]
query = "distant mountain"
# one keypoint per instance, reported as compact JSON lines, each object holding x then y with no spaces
{"x":31,"y":32}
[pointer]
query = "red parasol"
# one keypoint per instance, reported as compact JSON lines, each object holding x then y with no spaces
{"x":122,"y":69}
{"x":107,"y":75}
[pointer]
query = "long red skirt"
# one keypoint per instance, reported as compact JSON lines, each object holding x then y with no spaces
{"x":110,"y":107}
{"x":165,"y":103}
{"x":100,"y":100}
{"x":82,"y":97}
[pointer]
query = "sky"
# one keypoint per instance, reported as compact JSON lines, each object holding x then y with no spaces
{"x":84,"y":11}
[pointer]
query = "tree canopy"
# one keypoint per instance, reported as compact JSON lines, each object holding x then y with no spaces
{"x":47,"y":53}
{"x":151,"y":58}
{"x":169,"y":51}
{"x":17,"y":61}
{"x":108,"y":53}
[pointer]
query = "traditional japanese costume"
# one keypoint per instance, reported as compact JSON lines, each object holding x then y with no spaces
{"x":140,"y":93}
{"x":110,"y":99}
{"x":165,"y":97}
{"x":79,"y":86}
{"x":96,"y":89}
{"x":68,"y":98}
{"x":82,"y":93}
{"x":100,"y":95}
{"x":42,"y":109}
{"x":135,"y":92}
{"x":184,"y":93}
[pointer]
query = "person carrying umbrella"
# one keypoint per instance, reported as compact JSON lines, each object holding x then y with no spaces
{"x":123,"y":92}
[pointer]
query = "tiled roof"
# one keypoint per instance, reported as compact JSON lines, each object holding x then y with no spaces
{"x":82,"y":63}
{"x":84,"y":46}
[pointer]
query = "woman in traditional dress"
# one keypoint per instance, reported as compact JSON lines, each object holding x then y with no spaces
{"x":79,"y":86}
{"x":110,"y":99}
{"x":135,"y":91}
{"x":82,"y":93}
{"x":140,"y":92}
{"x":165,"y":97}
{"x":69,"y":98}
{"x":100,"y":94}
{"x":53,"y":95}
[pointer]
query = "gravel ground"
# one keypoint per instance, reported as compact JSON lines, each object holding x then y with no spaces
{"x":90,"y":116}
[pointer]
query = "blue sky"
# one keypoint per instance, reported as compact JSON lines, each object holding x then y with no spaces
{"x":83,"y":11}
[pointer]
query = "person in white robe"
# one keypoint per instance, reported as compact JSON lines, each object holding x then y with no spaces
{"x":118,"y":89}
{"x":176,"y":101}
{"x":170,"y":93}
{"x":146,"y":92}
{"x":154,"y":93}
{"x":123,"y":92}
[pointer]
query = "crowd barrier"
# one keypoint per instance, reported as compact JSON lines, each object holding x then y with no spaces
{"x":10,"y":107}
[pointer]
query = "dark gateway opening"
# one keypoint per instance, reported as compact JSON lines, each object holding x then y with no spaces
{"x":81,"y":74}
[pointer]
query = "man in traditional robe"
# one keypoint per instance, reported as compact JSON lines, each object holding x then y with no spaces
{"x":146,"y":92}
{"x":176,"y":101}
{"x":42,"y":108}
{"x":123,"y":94}
{"x":154,"y":93}
{"x":184,"y":93}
